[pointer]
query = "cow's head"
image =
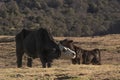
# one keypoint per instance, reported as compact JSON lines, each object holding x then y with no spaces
{"x":67,"y":43}
{"x":54,"y":50}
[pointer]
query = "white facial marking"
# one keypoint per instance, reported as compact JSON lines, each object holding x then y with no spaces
{"x":67,"y":51}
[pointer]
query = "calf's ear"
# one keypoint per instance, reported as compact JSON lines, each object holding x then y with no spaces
{"x":70,"y":41}
{"x":61,"y":42}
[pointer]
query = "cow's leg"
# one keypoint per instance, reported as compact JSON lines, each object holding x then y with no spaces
{"x":19,"y":53}
{"x":49,"y":64}
{"x":95,"y":61}
{"x":43,"y":64}
{"x":29,"y":62}
{"x":19,"y":60}
{"x":43,"y":61}
{"x":84,"y":59}
{"x":78,"y":60}
{"x":91,"y":59}
{"x":81,"y":58}
{"x":88,"y":59}
{"x":73,"y":61}
{"x":49,"y":61}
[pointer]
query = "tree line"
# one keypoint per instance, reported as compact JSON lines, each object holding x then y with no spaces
{"x":61,"y":17}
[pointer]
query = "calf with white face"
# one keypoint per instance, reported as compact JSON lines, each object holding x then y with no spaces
{"x":66,"y":53}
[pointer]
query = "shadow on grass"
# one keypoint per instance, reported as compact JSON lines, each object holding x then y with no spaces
{"x":64,"y":77}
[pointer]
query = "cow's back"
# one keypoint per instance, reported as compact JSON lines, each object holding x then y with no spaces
{"x":19,"y":38}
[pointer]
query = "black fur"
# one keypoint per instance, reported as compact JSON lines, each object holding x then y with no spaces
{"x":36,"y":44}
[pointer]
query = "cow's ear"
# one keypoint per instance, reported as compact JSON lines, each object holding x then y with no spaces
{"x":63,"y":41}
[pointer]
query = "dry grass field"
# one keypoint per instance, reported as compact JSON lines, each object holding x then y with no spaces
{"x":63,"y":69}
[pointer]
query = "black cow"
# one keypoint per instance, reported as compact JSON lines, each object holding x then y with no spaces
{"x":36,"y":44}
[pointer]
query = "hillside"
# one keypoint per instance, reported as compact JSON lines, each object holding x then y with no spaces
{"x":61,"y":17}
{"x":62,"y":69}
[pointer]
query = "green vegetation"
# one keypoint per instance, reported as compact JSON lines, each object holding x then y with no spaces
{"x":61,"y":17}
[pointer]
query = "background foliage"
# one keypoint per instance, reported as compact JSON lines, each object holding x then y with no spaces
{"x":61,"y":17}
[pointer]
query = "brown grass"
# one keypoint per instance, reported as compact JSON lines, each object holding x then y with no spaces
{"x":73,"y":72}
{"x":63,"y":69}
